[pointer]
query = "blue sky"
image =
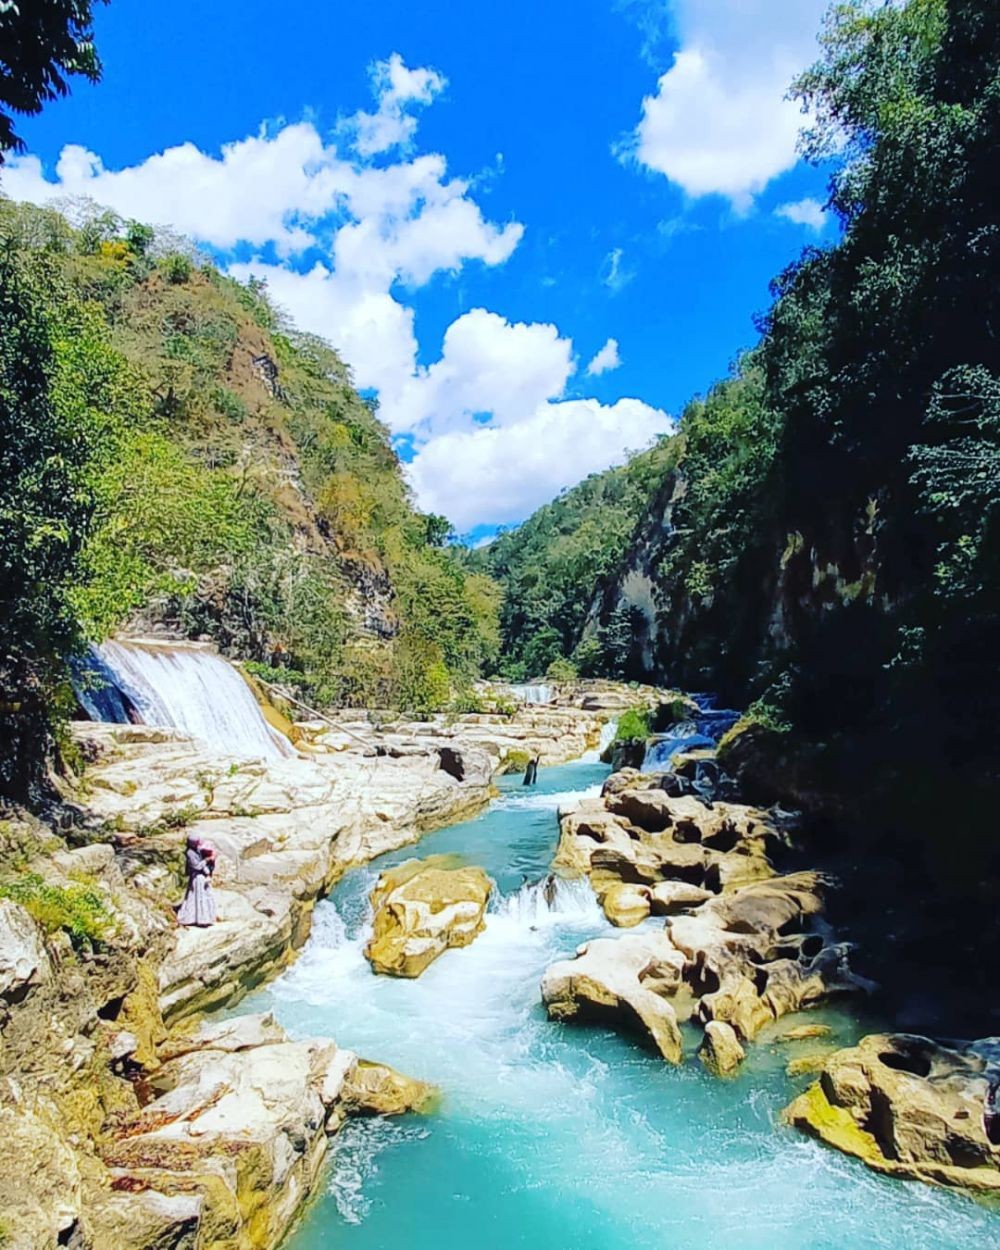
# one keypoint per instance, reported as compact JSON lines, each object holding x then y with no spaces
{"x":534,"y":231}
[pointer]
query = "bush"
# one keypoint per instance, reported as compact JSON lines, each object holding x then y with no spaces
{"x":176,"y":268}
{"x":562,"y":670}
{"x":77,"y":909}
{"x":634,"y":726}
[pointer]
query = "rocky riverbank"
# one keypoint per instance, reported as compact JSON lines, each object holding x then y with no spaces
{"x":131,"y":1127}
{"x":739,"y":948}
{"x":743,"y":945}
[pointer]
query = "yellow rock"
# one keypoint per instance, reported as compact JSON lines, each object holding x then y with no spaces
{"x":626,"y":905}
{"x":806,"y":1064}
{"x":422,"y":908}
{"x":377,"y":1089}
{"x":803,"y":1031}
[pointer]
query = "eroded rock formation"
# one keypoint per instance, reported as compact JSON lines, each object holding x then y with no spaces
{"x":738,"y":949}
{"x":908,"y":1107}
{"x":423,"y":908}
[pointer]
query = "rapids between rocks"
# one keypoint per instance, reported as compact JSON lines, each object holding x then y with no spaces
{"x":557,"y":1136}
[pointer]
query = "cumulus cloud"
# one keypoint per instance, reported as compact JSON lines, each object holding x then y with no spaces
{"x":396,"y":88}
{"x":502,"y":474}
{"x":805,"y":212}
{"x":605,"y":360}
{"x":342,"y":240}
{"x":718,"y":122}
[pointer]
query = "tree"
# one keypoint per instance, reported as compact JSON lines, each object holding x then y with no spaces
{"x":51,"y":444}
{"x":42,"y":44}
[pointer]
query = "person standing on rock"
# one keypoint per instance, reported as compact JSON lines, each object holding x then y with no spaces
{"x":198,"y":906}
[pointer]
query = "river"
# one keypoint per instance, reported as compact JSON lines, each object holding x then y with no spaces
{"x":553,"y":1136}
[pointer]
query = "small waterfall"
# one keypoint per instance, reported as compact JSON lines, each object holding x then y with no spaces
{"x":662,"y":749}
{"x":550,"y":902}
{"x":179,"y":687}
{"x":608,"y":731}
{"x":705,"y":730}
{"x":528,"y":693}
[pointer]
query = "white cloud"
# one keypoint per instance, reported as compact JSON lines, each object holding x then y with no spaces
{"x":493,"y":433}
{"x":395,"y":87}
{"x":614,"y":273}
{"x":605,"y":360}
{"x":500,"y":475}
{"x":718,"y":122}
{"x":805,"y":212}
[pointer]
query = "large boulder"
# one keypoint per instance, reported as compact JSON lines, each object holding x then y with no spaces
{"x":422,"y":908}
{"x":23,"y":961}
{"x":721,"y":1052}
{"x":908,"y":1107}
{"x":627,"y":980}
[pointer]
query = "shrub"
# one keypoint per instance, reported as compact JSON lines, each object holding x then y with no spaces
{"x":176,"y":268}
{"x":561,"y":670}
{"x":634,"y":726}
{"x":78,"y":909}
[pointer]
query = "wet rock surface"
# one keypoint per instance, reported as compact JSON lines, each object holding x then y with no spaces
{"x":740,"y":939}
{"x":908,"y":1107}
{"x":423,"y":908}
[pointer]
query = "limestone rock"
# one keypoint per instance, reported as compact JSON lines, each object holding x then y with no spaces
{"x":906,"y":1106}
{"x":804,"y":1065}
{"x":23,"y":961}
{"x":627,"y":980}
{"x":626,"y":905}
{"x":802,"y":1032}
{"x":668,"y":897}
{"x":376,"y":1089}
{"x":720,"y":1050}
{"x":244,"y":1104}
{"x":422,"y":908}
{"x":40,"y":1185}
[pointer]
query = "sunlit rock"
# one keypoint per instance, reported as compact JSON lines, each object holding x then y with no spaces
{"x":422,"y":908}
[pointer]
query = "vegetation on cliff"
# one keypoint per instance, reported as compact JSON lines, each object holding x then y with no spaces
{"x":832,"y":545}
{"x":173,"y":451}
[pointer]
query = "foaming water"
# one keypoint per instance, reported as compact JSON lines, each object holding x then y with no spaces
{"x":552,"y":1136}
{"x":179,"y":687}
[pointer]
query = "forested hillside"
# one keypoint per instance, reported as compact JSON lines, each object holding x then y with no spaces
{"x":550,"y":564}
{"x":173,"y":453}
{"x":831,"y":546}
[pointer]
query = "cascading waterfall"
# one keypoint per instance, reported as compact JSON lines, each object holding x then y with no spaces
{"x":682,"y":737}
{"x":704,"y":730}
{"x":528,"y":693}
{"x":608,"y":731}
{"x":179,"y":687}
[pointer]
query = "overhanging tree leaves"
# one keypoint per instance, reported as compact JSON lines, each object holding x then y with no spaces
{"x":43,"y":43}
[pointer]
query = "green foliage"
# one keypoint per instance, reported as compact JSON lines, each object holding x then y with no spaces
{"x":43,"y":44}
{"x":78,"y":909}
{"x":150,"y":412}
{"x":549,"y":566}
{"x":562,"y":670}
{"x":635,"y":725}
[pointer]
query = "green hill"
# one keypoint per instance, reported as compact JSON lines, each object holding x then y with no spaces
{"x":174,"y":453}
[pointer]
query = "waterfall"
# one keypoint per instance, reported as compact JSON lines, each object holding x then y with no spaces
{"x":179,"y":687}
{"x":528,"y":693}
{"x":550,"y":902}
{"x":608,"y":731}
{"x":661,"y":749}
{"x":705,"y":730}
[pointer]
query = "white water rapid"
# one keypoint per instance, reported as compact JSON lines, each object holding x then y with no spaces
{"x":195,"y":690}
{"x":559,"y":1137}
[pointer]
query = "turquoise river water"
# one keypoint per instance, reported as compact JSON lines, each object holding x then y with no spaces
{"x":551,"y":1136}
